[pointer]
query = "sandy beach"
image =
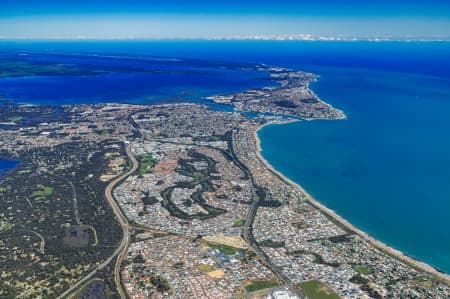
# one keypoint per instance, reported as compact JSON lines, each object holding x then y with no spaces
{"x":330,"y":213}
{"x":342,"y":115}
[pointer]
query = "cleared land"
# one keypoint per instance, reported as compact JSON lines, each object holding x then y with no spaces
{"x":314,"y":289}
{"x":257,"y":285}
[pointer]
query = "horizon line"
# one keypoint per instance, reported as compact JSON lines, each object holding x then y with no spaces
{"x":301,"y":37}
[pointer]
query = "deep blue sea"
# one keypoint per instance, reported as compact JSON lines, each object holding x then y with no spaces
{"x":6,"y":165}
{"x":157,"y":80}
{"x":386,"y":169}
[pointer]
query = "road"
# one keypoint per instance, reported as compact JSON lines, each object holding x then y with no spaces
{"x":121,"y":250}
{"x":123,"y":247}
{"x":247,"y":230}
{"x":75,"y":203}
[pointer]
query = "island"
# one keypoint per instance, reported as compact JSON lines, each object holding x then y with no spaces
{"x":175,"y":201}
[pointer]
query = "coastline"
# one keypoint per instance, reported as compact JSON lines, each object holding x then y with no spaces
{"x":421,"y":266}
{"x":343,"y":116}
{"x":4,"y":173}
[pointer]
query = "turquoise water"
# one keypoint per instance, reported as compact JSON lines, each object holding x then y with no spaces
{"x":387,"y":168}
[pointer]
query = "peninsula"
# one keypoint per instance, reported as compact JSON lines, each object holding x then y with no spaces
{"x":175,"y":201}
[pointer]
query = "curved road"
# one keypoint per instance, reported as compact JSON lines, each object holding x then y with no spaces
{"x":247,"y":230}
{"x":121,"y":250}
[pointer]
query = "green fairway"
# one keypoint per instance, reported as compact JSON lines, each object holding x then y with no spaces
{"x":257,"y":285}
{"x":224,"y":249}
{"x":146,"y":163}
{"x":42,"y":191}
{"x":239,"y":223}
{"x":362,"y":269}
{"x":314,"y":289}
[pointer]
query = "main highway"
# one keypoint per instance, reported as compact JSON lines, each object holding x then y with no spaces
{"x":121,"y":250}
{"x":248,"y":225}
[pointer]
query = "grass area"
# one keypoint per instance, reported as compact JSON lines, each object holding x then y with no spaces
{"x":425,"y":283}
{"x":239,"y":223}
{"x":205,"y":268}
{"x":224,"y":249}
{"x":314,"y":289}
{"x":42,"y":191}
{"x":362,"y":270}
{"x":146,"y":163}
{"x":257,"y":285}
{"x":271,"y":244}
{"x":6,"y":225}
{"x":14,"y":119}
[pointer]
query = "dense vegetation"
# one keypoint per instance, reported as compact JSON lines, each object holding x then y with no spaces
{"x":270,"y":243}
{"x":200,"y":177}
{"x":45,"y":216}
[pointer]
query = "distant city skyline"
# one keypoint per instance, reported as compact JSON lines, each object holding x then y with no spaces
{"x":303,"y":20}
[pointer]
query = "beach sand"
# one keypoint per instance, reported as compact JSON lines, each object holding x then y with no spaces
{"x":330,"y":213}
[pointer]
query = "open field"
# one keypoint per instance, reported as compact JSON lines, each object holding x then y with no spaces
{"x":362,"y":269}
{"x":42,"y":191}
{"x":224,"y":249}
{"x":146,"y":163}
{"x":239,"y":223}
{"x":257,"y":285}
{"x":314,"y":289}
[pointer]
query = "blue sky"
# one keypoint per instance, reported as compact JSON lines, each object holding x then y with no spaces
{"x":217,"y":18}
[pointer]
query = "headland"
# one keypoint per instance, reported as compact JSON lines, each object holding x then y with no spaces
{"x":175,"y":200}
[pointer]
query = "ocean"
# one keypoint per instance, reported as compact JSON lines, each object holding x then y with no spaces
{"x":138,"y":80}
{"x":386,"y":169}
{"x":7,"y":165}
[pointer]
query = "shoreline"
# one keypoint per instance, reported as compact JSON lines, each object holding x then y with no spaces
{"x":4,"y":173}
{"x":418,"y":265}
{"x":343,"y":115}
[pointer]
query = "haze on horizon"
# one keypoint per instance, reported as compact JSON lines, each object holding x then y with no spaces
{"x":137,"y":19}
